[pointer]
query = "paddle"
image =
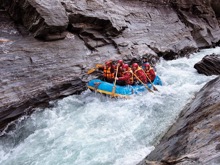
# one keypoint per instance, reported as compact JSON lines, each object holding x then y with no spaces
{"x":150,"y":81}
{"x":142,"y":83}
{"x":114,"y":87}
{"x":93,"y":69}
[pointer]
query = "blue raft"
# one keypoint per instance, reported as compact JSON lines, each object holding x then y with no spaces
{"x":106,"y":88}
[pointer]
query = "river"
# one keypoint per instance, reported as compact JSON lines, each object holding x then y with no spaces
{"x":91,"y":129}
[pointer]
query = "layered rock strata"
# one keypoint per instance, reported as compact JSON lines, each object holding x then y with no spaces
{"x":33,"y":72}
{"x":167,"y":28}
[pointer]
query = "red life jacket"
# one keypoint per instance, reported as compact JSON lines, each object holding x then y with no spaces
{"x":140,"y":74}
{"x":128,"y":77}
{"x":150,"y":74}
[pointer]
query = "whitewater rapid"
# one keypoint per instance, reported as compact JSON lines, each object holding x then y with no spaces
{"x":90,"y":129}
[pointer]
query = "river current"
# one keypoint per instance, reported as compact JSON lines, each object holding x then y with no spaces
{"x":91,"y":129}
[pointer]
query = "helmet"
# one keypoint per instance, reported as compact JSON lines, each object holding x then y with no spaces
{"x":125,"y":66}
{"x":120,"y":61}
{"x":108,"y":62}
{"x":134,"y":65}
{"x":147,"y":65}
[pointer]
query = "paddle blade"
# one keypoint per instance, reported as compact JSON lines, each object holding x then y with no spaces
{"x":98,"y":65}
{"x":155,"y":88}
{"x":91,"y":71}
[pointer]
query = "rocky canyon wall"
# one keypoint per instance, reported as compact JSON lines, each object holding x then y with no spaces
{"x":170,"y":28}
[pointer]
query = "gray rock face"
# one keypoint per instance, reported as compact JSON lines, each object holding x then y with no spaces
{"x":133,"y":27}
{"x":204,"y":29}
{"x":34,"y":72}
{"x":194,"y":138}
{"x":167,"y":28}
{"x":210,"y":65}
{"x":45,"y":19}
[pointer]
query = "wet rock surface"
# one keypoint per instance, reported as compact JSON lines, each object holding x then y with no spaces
{"x":34,"y":72}
{"x":210,"y":65}
{"x":194,"y":138}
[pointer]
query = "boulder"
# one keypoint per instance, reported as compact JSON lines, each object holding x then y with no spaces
{"x":210,"y":65}
{"x":45,"y":19}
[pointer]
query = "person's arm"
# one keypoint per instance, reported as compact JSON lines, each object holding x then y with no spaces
{"x":125,"y":77}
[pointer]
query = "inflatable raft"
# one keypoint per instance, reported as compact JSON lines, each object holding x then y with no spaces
{"x":106,"y":88}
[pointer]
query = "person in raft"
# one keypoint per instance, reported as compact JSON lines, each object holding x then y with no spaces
{"x":108,"y":71}
{"x":127,"y":76}
{"x":139,"y":72}
{"x":144,"y":61}
{"x":120,"y":67}
{"x":150,"y":73}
